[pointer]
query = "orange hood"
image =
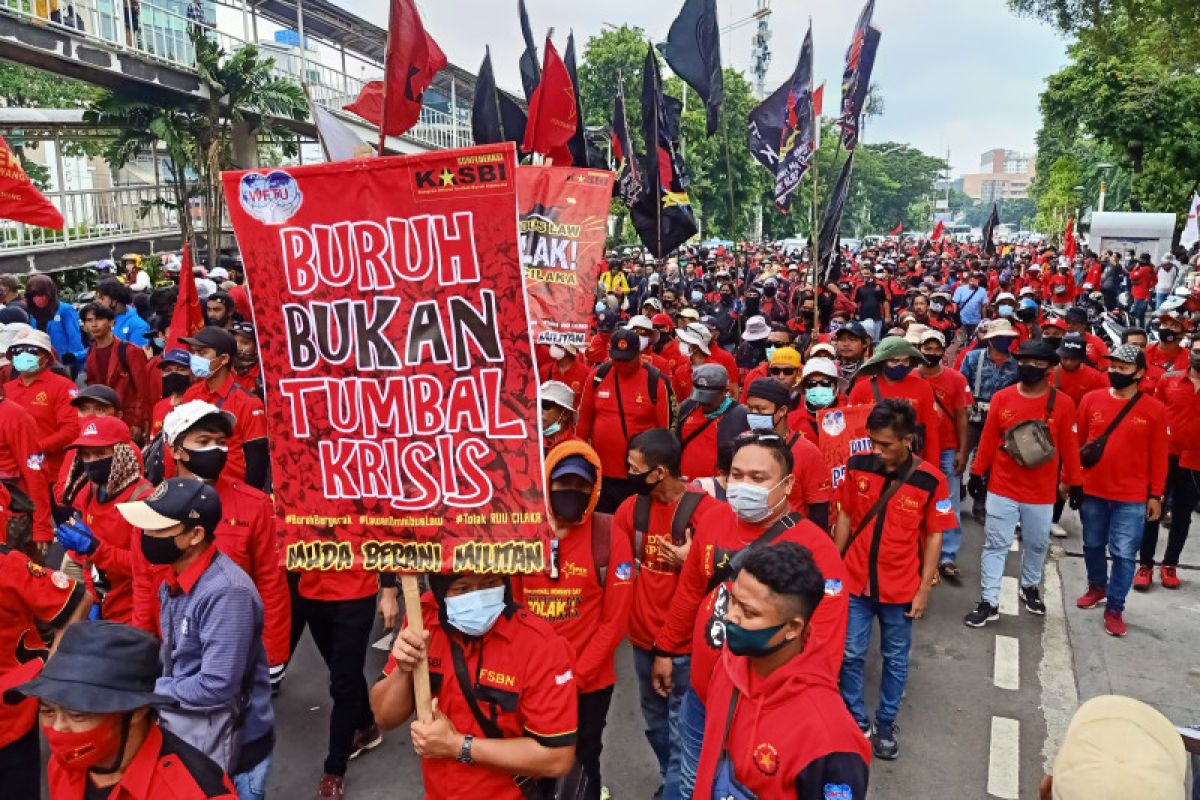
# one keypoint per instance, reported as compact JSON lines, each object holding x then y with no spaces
{"x":572,"y":447}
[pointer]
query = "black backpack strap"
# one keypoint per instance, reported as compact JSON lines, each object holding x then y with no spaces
{"x":765,"y":538}
{"x":683,"y":515}
{"x":601,"y":545}
{"x":123,"y":355}
{"x":887,"y":494}
{"x":875,"y":389}
{"x":641,"y":522}
{"x":685,"y":410}
{"x":1112,"y":426}
{"x":1050,"y":403}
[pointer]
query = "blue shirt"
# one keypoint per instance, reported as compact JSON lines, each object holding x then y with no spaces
{"x":131,"y":327}
{"x":970,"y":303}
{"x":994,"y":376}
{"x":63,"y":330}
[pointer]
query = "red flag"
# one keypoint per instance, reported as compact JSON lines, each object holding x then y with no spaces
{"x":937,"y":231}
{"x":552,"y":111}
{"x":413,"y":58}
{"x":818,"y":100}
{"x":20,"y":200}
{"x":1069,"y":244}
{"x":896,"y":230}
{"x":187,"y":318}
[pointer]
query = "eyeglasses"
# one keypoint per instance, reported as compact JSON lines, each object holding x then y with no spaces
{"x":825,"y":384}
{"x":756,"y":437}
{"x":782,"y":370}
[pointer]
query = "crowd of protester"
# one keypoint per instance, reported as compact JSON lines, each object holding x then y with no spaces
{"x":692,"y":513}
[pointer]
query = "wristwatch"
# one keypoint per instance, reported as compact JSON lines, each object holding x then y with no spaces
{"x":464,"y":752}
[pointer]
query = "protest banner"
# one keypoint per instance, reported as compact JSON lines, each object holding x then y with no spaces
{"x":564,"y":214}
{"x":843,"y":433}
{"x":401,"y":392}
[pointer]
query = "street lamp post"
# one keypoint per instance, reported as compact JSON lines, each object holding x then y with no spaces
{"x":1104,"y":168}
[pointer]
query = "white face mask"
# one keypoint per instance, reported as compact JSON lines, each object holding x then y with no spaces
{"x":685,"y":349}
{"x":557,"y":353}
{"x":643,"y":342}
{"x":474,"y":613}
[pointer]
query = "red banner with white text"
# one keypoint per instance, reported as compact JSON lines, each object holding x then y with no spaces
{"x":564,"y":217}
{"x":401,"y":392}
{"x":841,"y":433}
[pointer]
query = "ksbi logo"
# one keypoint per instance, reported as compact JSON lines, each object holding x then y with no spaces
{"x":271,"y":199}
{"x":465,"y":174}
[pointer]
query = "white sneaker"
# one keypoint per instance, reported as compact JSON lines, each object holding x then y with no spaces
{"x":1058,"y":531}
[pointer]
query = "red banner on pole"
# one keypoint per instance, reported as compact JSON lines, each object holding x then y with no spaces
{"x":564,"y":214}
{"x":843,"y":433}
{"x":401,"y":391}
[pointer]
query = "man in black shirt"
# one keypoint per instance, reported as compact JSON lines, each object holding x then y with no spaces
{"x":873,"y":305}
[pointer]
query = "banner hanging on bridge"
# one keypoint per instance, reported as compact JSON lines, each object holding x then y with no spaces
{"x":564,"y":214}
{"x":401,"y":391}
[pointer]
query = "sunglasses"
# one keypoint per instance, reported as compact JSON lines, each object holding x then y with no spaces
{"x":766,"y":439}
{"x":825,"y":384}
{"x":25,"y":349}
{"x":782,"y":370}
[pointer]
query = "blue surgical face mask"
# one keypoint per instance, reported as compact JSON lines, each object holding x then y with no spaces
{"x":761,"y":422}
{"x":201,"y":367}
{"x":26,"y":362}
{"x":474,"y":613}
{"x":1005,"y":311}
{"x":750,"y":501}
{"x":770,"y":352}
{"x":552,"y":429}
{"x":819,"y":396}
{"x":897,"y":373}
{"x":697,"y":296}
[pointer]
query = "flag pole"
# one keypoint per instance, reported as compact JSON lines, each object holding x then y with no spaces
{"x":387,"y":59}
{"x":654,"y":155}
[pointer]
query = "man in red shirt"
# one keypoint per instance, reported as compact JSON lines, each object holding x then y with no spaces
{"x":1180,"y":393}
{"x":893,"y":509}
{"x":1074,"y":376}
{"x":120,"y":365}
{"x":889,"y":373}
{"x":23,"y":472}
{"x":212,"y":351}
{"x":31,"y":599}
{"x":565,"y":366}
{"x":812,"y":485}
{"x":697,"y":345}
{"x":1167,"y":353}
{"x":666,"y":347}
{"x":247,"y":371}
{"x":708,"y":418}
{"x":521,"y":716}
{"x":44,"y":394}
{"x":777,"y":727}
{"x":952,"y":398}
{"x":1097,"y":350}
{"x":1124,"y":487}
{"x":1142,"y":279}
{"x":622,"y":398}
{"x":757,"y":515}
{"x":1139,"y":339}
{"x":660,"y":522}
{"x":1018,"y":492}
{"x":597,"y":349}
{"x":587,"y":593}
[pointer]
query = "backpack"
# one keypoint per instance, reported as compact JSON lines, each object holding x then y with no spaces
{"x":655,"y":377}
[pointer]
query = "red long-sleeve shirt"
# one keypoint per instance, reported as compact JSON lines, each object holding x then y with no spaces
{"x":132,"y":385}
{"x":600,"y":419}
{"x":1008,"y":478}
{"x":1134,"y":464}
{"x":593,"y":619}
{"x":21,"y":459}
{"x":575,"y":376}
{"x":913,"y":389}
{"x":47,"y":398}
{"x":1078,"y":382}
{"x":1182,"y":401}
{"x":115,"y":552}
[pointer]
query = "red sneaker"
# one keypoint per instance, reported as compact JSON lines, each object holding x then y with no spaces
{"x":332,"y":787}
{"x":1093,"y":597}
{"x":1113,"y":624}
{"x":1143,"y":578}
{"x":1169,"y":579}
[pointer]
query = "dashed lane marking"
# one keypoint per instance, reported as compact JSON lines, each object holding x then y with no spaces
{"x":1004,"y":759}
{"x":1006,"y":668}
{"x":1008,"y":596}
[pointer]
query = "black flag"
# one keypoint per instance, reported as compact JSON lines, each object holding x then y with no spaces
{"x":989,"y":231}
{"x":831,"y":225}
{"x":783,"y":129}
{"x":693,"y":49}
{"x":583,"y":152}
{"x":495,"y":117}
{"x":662,"y":214}
{"x":531,"y":71}
{"x":630,"y":181}
{"x":856,"y":75}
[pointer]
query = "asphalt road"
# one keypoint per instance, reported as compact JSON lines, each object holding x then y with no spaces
{"x":972,"y":723}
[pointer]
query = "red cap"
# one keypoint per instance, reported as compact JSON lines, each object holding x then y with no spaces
{"x":1055,"y":323}
{"x":662,"y":319}
{"x":102,"y":432}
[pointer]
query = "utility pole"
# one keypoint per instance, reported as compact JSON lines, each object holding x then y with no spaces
{"x":761,"y":43}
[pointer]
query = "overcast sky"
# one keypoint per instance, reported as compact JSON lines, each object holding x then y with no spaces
{"x":957,"y":74}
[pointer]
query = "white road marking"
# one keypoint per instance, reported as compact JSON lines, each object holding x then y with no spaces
{"x":384,"y":644}
{"x":1006,"y":668}
{"x":1004,"y":759}
{"x":1015,"y":546}
{"x":1056,"y":672}
{"x":1008,"y":596}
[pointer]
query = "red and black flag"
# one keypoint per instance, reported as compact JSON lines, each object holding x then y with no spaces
{"x":413,"y":58}
{"x":583,"y":152}
{"x":856,"y":75}
{"x":831,"y":225}
{"x":530,"y":74}
{"x":693,"y":51}
{"x":783,"y":129}
{"x":989,"y":231}
{"x":630,"y":181}
{"x":663,"y":214}
{"x":495,"y":117}
{"x":552,"y":111}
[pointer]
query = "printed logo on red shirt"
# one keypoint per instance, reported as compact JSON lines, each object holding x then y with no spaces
{"x":36,"y":570}
{"x":766,"y":758}
{"x":40,"y":399}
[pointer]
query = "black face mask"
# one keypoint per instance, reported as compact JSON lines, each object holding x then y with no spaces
{"x":1119,"y":380}
{"x":639,"y":483}
{"x":1194,"y":361}
{"x":569,"y":505}
{"x":175,"y":383}
{"x":932,"y":359}
{"x":769,"y":291}
{"x":245,"y":361}
{"x":1027,"y":314}
{"x":160,"y":549}
{"x":99,"y":470}
{"x":1168,"y":336}
{"x":206,"y":464}
{"x":1029,"y":375}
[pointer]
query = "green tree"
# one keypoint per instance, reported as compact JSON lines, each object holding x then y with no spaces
{"x":611,"y":58}
{"x":26,"y":87}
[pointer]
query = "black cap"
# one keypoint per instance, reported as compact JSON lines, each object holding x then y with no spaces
{"x":625,"y":345}
{"x":11,"y":314}
{"x":1076,"y":314}
{"x":606,"y":320}
{"x":853,"y":328}
{"x":218,"y":339}
{"x":188,"y":500}
{"x":1041,"y":349}
{"x":98,"y":392}
{"x":1073,"y":347}
{"x":100,"y":667}
{"x":771,"y":390}
{"x":243,"y":328}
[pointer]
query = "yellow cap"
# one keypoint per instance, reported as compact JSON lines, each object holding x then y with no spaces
{"x":786,"y":357}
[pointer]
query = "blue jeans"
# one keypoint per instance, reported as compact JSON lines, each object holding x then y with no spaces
{"x":952,"y":537}
{"x":252,"y":784}
{"x":657,"y":711}
{"x":999,"y":530}
{"x":895,"y":631}
{"x":1118,"y":526}
{"x":688,"y":734}
{"x":1138,"y":312}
